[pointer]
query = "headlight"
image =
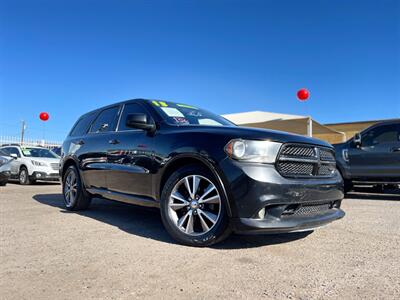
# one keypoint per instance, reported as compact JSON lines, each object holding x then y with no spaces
{"x":253,"y":151}
{"x":38,"y":163}
{"x":3,"y":161}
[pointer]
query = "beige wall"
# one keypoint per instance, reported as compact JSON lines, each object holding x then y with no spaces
{"x":350,"y":129}
{"x":299,"y":126}
{"x":330,"y":138}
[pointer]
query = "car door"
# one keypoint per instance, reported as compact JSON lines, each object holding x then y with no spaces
{"x":15,"y":163}
{"x":378,"y":156}
{"x":130,"y":156}
{"x":92,"y":154}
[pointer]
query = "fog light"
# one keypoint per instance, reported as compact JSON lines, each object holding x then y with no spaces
{"x":38,"y":175}
{"x":261,"y":213}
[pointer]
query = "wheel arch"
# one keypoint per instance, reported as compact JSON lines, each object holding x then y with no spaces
{"x":183,"y":160}
{"x":23,"y":165}
{"x":66,"y":164}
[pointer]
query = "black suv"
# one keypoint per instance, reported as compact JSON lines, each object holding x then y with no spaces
{"x":207,"y":176}
{"x":372,"y":156}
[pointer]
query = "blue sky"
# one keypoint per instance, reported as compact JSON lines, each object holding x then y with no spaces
{"x":68,"y":57}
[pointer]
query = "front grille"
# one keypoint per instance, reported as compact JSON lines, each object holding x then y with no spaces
{"x":296,"y":168}
{"x":296,"y":151}
{"x":326,"y":155}
{"x":307,"y":209}
{"x":312,"y":209}
{"x":326,"y":170}
{"x":300,"y":160}
{"x":55,"y":166}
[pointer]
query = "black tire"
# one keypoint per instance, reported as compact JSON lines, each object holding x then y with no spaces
{"x":81,"y":199}
{"x":23,"y":176}
{"x":378,"y":188}
{"x":348,"y":186}
{"x":3,"y":183}
{"x":218,"y":232}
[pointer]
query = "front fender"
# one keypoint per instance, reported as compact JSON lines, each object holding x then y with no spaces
{"x":202,"y":157}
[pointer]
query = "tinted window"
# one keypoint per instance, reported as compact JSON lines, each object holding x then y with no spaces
{"x":106,"y":121}
{"x":132,"y":108}
{"x":38,"y":152}
{"x":4,"y":152}
{"x":381,"y":135}
{"x":183,"y":114}
{"x":13,"y":150}
{"x":82,"y":126}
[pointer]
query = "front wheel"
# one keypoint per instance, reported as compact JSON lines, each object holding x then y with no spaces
{"x":75,"y":195}
{"x":24,"y":176}
{"x":193,"y":207}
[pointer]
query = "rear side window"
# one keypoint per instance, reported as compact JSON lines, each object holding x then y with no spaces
{"x":82,"y":126}
{"x":131,"y":108}
{"x":106,"y":121}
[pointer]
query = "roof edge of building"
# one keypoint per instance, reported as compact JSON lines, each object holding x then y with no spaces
{"x":362,"y":122}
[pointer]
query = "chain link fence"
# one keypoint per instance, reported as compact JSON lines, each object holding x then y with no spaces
{"x":28,"y":142}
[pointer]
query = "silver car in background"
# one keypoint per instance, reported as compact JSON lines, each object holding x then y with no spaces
{"x":5,"y":168}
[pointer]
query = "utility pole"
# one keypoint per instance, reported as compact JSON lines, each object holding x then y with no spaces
{"x":309,"y":127}
{"x":22,"y":132}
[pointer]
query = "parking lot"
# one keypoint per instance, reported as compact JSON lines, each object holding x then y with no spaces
{"x":119,"y":251}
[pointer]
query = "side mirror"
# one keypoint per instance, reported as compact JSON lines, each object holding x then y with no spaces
{"x":357,"y":139}
{"x":139,"y":121}
{"x":14,"y":156}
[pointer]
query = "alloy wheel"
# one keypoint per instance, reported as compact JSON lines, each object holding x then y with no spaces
{"x":70,"y":188}
{"x":22,"y":176}
{"x":194,"y":205}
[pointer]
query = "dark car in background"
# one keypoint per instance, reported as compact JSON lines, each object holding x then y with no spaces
{"x":207,"y":176}
{"x":5,"y":168}
{"x":371,"y":157}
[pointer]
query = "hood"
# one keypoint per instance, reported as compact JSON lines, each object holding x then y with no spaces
{"x":45,"y":159}
{"x":256,"y":134}
{"x":339,"y":145}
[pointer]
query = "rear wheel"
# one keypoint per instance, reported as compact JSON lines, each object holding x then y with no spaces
{"x":193,"y":208}
{"x":75,"y":195}
{"x":24,"y":176}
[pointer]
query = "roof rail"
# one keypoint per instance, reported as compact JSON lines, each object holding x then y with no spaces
{"x":10,"y":144}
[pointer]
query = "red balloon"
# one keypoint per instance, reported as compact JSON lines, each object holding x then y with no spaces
{"x":303,"y":94}
{"x":44,"y":116}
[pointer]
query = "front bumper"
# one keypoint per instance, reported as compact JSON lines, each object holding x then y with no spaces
{"x":262,"y":201}
{"x":45,"y":176}
{"x":272,"y":224}
{"x":5,"y":175}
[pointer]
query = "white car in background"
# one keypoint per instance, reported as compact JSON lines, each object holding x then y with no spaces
{"x":31,"y":164}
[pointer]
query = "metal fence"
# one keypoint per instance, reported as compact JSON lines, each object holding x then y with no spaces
{"x":28,"y":142}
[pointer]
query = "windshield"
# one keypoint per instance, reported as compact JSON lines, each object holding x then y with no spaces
{"x":182,"y":114}
{"x":38,"y":152}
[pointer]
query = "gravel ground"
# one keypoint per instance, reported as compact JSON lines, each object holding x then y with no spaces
{"x":117,"y":251}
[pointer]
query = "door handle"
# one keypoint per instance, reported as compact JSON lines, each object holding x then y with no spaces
{"x":81,"y":142}
{"x":113,"y":142}
{"x":396,"y":149}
